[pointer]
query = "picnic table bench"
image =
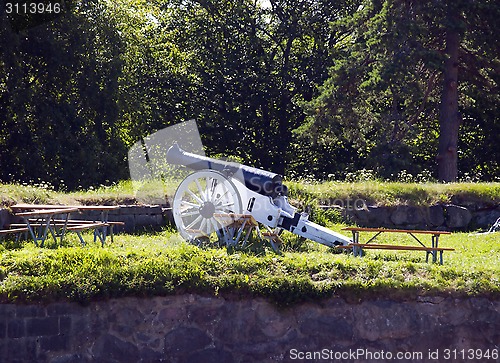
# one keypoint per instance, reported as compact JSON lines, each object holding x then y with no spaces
{"x":98,"y":228}
{"x":41,"y":219}
{"x":432,"y":250}
{"x":16,"y":231}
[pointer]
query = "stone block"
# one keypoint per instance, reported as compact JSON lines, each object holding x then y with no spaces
{"x":398,"y":216}
{"x":168,"y":215}
{"x":211,"y":355}
{"x":485,"y":218}
{"x":407,"y":215}
{"x":206,"y":315}
{"x":152,"y":209}
{"x":30,"y":311}
{"x":184,"y":340}
{"x":65,"y":324}
{"x":150,"y":355}
{"x":434,"y":215}
{"x":3,"y":329}
{"x":373,"y":216}
{"x":110,"y":348}
{"x":42,"y":326}
{"x":385,"y":320}
{"x":71,"y":358}
{"x":457,"y":217}
{"x":21,"y":350}
{"x":146,"y":220}
{"x":7,"y":311}
{"x":327,"y":328}
{"x":58,"y":309}
{"x":130,"y":209}
{"x":54,"y":343}
{"x":4,"y":218}
{"x":16,"y":328}
{"x":379,"y":216}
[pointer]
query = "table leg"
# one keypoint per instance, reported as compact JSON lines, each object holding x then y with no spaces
{"x":435,"y":242}
{"x":45,"y":232}
{"x":63,"y":231}
{"x":356,"y":250}
{"x":102,"y":234}
{"x":42,"y":231}
{"x":32,"y":232}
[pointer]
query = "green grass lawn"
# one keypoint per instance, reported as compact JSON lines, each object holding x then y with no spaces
{"x":161,"y":264}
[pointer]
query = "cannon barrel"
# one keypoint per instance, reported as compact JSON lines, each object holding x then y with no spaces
{"x":257,"y":180}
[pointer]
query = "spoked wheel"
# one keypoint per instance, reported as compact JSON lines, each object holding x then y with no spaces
{"x":199,"y":202}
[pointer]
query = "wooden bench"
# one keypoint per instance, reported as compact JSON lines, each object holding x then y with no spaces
{"x":71,"y":223}
{"x":429,"y":250}
{"x":98,"y":228}
{"x":358,"y":247}
{"x":16,"y":231}
{"x":79,"y":222}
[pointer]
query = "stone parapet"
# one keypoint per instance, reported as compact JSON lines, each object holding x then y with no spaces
{"x":193,"y":328}
{"x":448,"y":217}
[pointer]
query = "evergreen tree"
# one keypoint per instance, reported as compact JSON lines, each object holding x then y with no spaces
{"x":402,"y":78}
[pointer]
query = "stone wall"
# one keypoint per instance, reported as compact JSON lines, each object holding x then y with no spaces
{"x":448,"y":217}
{"x":135,"y":217}
{"x":436,"y":217}
{"x":192,"y":328}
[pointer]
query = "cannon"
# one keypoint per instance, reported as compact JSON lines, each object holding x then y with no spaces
{"x":231,"y":199}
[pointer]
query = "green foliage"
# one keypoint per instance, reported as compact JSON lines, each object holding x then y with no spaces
{"x":58,"y":100}
{"x":78,"y":91}
{"x":382,"y":100}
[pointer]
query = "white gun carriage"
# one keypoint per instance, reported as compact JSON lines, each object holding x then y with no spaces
{"x":231,"y":200}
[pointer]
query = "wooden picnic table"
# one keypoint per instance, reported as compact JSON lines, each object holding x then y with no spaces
{"x":358,"y":247}
{"x":41,"y":221}
{"x":102,"y":208}
{"x":29,"y":212}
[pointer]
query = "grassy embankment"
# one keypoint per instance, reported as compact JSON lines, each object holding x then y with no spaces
{"x":371,"y":191}
{"x":159,"y":264}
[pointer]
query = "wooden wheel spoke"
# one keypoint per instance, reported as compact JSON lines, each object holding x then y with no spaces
{"x":218,"y":207}
{"x":192,"y":224}
{"x":198,"y":199}
{"x":188,"y":214}
{"x":190,"y":204}
{"x":200,"y":189}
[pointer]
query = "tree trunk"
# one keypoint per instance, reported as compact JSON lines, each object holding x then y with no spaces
{"x":448,"y":117}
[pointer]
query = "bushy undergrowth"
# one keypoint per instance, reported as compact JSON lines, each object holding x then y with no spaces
{"x":161,"y":264}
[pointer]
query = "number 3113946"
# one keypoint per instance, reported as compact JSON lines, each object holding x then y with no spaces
{"x":33,"y":8}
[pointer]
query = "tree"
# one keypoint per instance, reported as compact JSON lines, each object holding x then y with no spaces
{"x":58,"y":88}
{"x":404,"y":70}
{"x":448,"y":115}
{"x":248,"y":67}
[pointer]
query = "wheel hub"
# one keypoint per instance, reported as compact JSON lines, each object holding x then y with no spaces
{"x":207,"y":210}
